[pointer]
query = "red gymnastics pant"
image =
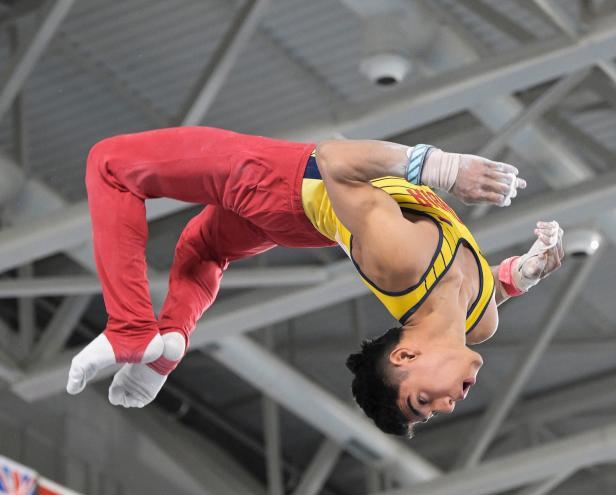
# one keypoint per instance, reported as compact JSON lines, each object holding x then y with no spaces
{"x":253,"y":188}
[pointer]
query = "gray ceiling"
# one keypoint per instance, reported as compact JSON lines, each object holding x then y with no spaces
{"x":116,"y":67}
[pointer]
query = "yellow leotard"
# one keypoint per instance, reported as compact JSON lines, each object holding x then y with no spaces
{"x":420,"y":200}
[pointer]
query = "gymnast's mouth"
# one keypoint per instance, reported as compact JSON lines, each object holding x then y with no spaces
{"x":466,"y":386}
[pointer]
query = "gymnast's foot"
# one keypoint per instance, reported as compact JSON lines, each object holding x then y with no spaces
{"x":100,"y":354}
{"x":136,"y":385}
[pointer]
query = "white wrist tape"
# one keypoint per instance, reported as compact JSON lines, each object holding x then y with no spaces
{"x":535,"y":256}
{"x":441,"y":169}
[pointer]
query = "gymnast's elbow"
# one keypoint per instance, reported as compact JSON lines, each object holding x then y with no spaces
{"x":332,"y":162}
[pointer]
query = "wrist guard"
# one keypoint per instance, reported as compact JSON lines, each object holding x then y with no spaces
{"x":506,"y":278}
{"x":416,"y":159}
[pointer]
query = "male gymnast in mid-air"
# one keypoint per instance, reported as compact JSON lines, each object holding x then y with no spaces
{"x":372,"y":198}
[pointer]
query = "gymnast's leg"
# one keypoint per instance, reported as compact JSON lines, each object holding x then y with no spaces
{"x":191,"y":164}
{"x":209,"y":242}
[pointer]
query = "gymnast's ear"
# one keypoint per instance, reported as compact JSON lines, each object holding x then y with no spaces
{"x":400,"y":356}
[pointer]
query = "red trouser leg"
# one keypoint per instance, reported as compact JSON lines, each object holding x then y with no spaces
{"x":209,"y":242}
{"x":182,"y":163}
{"x":119,"y":233}
{"x":256,"y":178}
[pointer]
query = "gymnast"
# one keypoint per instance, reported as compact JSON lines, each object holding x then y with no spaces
{"x":372,"y":198}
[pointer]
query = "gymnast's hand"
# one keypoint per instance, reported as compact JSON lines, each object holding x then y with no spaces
{"x":136,"y":385}
{"x":480,"y":180}
{"x":543,"y":258}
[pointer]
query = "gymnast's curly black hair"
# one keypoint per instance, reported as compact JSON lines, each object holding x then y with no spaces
{"x":372,"y":389}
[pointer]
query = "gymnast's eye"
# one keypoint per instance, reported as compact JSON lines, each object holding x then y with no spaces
{"x":421,"y":401}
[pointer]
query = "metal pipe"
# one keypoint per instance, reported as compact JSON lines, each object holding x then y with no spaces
{"x":319,"y":469}
{"x":360,"y":437}
{"x":510,"y":391}
{"x":235,"y":278}
{"x":533,"y":465}
{"x":25,"y":61}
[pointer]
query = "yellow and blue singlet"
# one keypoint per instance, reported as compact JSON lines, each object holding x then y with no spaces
{"x":418,"y":200}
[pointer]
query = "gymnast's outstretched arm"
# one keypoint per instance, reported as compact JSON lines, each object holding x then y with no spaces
{"x":472,"y":179}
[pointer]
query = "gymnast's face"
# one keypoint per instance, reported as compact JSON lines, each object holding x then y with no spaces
{"x":432,"y":380}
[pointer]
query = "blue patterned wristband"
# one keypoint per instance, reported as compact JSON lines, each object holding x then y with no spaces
{"x":415,"y":165}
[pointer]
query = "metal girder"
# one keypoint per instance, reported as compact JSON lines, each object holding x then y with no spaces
{"x":460,"y":89}
{"x":601,"y":156}
{"x":258,"y":309}
{"x":223,"y":61}
{"x":559,"y":17}
{"x":548,"y":485}
{"x":12,"y":180}
{"x":26,"y":318}
{"x":526,"y":117}
{"x":7,"y":337}
{"x":18,"y":71}
{"x":532,"y":465}
{"x":531,"y":113}
{"x":319,"y":469}
{"x":558,"y":165}
{"x":151,"y":439}
{"x":572,"y":206}
{"x":271,"y":435}
{"x":586,"y":346}
{"x":69,"y":49}
{"x":235,"y":278}
{"x":58,"y":231}
{"x":9,"y":370}
{"x":60,"y":328}
{"x":511,"y":390}
{"x":568,"y":401}
{"x":499,"y":21}
{"x":341,"y":423}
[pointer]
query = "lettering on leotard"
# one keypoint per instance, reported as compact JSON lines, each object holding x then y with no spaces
{"x":431,"y":200}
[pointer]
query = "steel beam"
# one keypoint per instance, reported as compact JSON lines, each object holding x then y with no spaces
{"x":223,"y":61}
{"x":10,"y":371}
{"x":573,"y":206}
{"x":548,"y":485}
{"x":271,"y":432}
{"x":499,"y":21}
{"x":26,"y":319}
{"x":235,"y":278}
{"x":526,"y":117}
{"x":342,"y":424}
{"x":511,"y":390}
{"x":568,"y":401}
{"x":58,"y":231}
{"x":594,"y":447}
{"x":319,"y":469}
{"x":7,"y":337}
{"x":271,"y":435}
{"x":461,"y":89}
{"x":533,"y":112}
{"x":60,"y":328}
{"x":25,"y":60}
{"x":69,"y":49}
{"x":559,"y":17}
{"x":530,"y":142}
